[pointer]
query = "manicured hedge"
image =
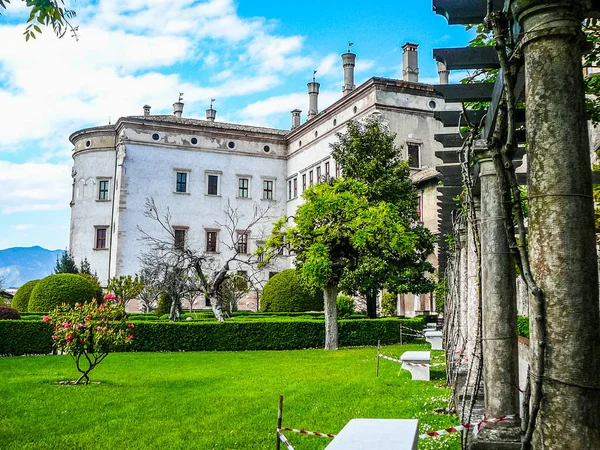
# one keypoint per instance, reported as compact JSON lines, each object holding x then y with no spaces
{"x":21,"y":299}
{"x":285,"y":292}
{"x":58,"y":289}
{"x":523,"y":326}
{"x":22,"y":337}
{"x":228,"y":336}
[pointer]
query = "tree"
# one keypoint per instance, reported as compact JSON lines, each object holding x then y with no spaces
{"x":88,"y":332}
{"x":47,"y":13}
{"x":150,"y":292}
{"x":175,"y":263}
{"x":337,"y":224}
{"x":125,"y":287}
{"x":66,"y":264}
{"x":366,"y":153}
{"x":233,"y":289}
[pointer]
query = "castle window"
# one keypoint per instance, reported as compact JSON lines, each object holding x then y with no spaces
{"x":310,"y":178}
{"x":242,"y":242}
{"x":194,"y":140}
{"x":181,"y":184}
{"x":295,"y":187}
{"x":327,"y":170}
{"x":103,"y":190}
{"x":179,"y":238}
{"x":290,"y":190}
{"x":231,"y":145}
{"x":319,"y":174}
{"x":100,"y":238}
{"x":268,"y":189}
{"x":213,"y":183}
{"x":414,"y":155}
{"x":211,"y":241}
{"x":303,"y":182}
{"x":266,"y":149}
{"x":155,"y":136}
{"x":243,"y":187}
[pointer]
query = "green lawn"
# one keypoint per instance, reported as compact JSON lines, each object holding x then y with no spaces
{"x":210,"y":400}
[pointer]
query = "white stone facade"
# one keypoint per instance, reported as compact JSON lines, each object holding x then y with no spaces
{"x":141,"y":156}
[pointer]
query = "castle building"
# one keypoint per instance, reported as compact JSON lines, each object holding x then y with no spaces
{"x":196,"y":168}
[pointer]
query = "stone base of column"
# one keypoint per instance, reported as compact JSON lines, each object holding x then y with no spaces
{"x":497,"y":436}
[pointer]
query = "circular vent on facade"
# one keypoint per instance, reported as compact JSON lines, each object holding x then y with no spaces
{"x":155,"y":136}
{"x":266,"y":149}
{"x":194,"y":141}
{"x":231,"y":144}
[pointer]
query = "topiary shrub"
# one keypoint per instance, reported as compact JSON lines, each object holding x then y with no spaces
{"x":60,"y":288}
{"x":20,"y":301}
{"x":7,"y":313}
{"x":285,"y":292}
{"x":99,"y":296}
{"x":388,"y":304}
{"x":345,"y":306}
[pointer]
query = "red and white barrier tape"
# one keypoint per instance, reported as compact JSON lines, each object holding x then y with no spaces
{"x":476,"y":426}
{"x":410,"y":364}
{"x":283,"y":439}
{"x":312,"y":433}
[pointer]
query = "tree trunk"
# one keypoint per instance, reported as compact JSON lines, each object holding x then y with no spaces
{"x":174,"y":315}
{"x":331,"y":323}
{"x":561,"y":225}
{"x":372,"y":304}
{"x":217,"y":306}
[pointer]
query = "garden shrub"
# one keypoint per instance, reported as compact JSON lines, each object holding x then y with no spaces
{"x":24,"y":337}
{"x":345,"y":306}
{"x":285,"y":292}
{"x":21,"y":299}
{"x":60,"y":288}
{"x":96,"y":284}
{"x":89,"y":331}
{"x":389,"y":302}
{"x":8,"y":313}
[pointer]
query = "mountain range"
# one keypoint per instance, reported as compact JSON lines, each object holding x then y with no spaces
{"x":18,"y":265}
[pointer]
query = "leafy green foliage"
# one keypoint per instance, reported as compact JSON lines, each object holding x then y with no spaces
{"x":389,"y":302}
{"x":8,"y":313}
{"x":523,"y":326}
{"x":66,"y":264}
{"x":226,"y":336}
{"x":345,"y":306}
{"x":284,"y":292}
{"x":60,"y":288}
{"x":440,"y":293}
{"x":99,"y":294}
{"x":46,"y":13}
{"x":21,"y":299}
{"x":89,"y":331}
{"x":125,"y":287}
{"x":21,"y":337}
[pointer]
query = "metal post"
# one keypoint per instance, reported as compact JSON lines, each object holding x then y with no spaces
{"x":378,"y":345}
{"x":279,"y":417}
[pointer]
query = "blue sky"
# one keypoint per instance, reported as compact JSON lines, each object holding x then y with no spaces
{"x":253,"y":57}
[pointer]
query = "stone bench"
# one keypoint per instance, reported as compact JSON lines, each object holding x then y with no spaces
{"x":417,"y":363}
{"x":377,"y":434}
{"x":435,"y":338}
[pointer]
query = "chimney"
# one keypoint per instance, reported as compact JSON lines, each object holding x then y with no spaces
{"x":349,"y":61}
{"x":211,"y":113}
{"x":147,"y":110}
{"x":410,"y":62}
{"x":295,"y":118}
{"x":178,"y":106}
{"x":313,"y":98}
{"x":442,"y":72}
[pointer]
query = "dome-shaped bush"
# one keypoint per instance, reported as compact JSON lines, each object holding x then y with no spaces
{"x":284,"y":292}
{"x":20,"y":301}
{"x":58,"y":289}
{"x":7,"y":313}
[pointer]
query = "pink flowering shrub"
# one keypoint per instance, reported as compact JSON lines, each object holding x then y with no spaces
{"x":89,"y":331}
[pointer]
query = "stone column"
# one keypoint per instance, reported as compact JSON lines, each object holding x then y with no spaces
{"x":463,"y":330}
{"x":472,"y":322}
{"x":561,"y":224}
{"x":499,"y":313}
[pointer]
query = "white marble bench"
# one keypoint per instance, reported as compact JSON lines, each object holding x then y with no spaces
{"x":417,"y":363}
{"x":377,"y":434}
{"x":435,"y":338}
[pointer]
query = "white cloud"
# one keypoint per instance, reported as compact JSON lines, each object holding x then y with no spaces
{"x":22,"y":226}
{"x":34,"y":187}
